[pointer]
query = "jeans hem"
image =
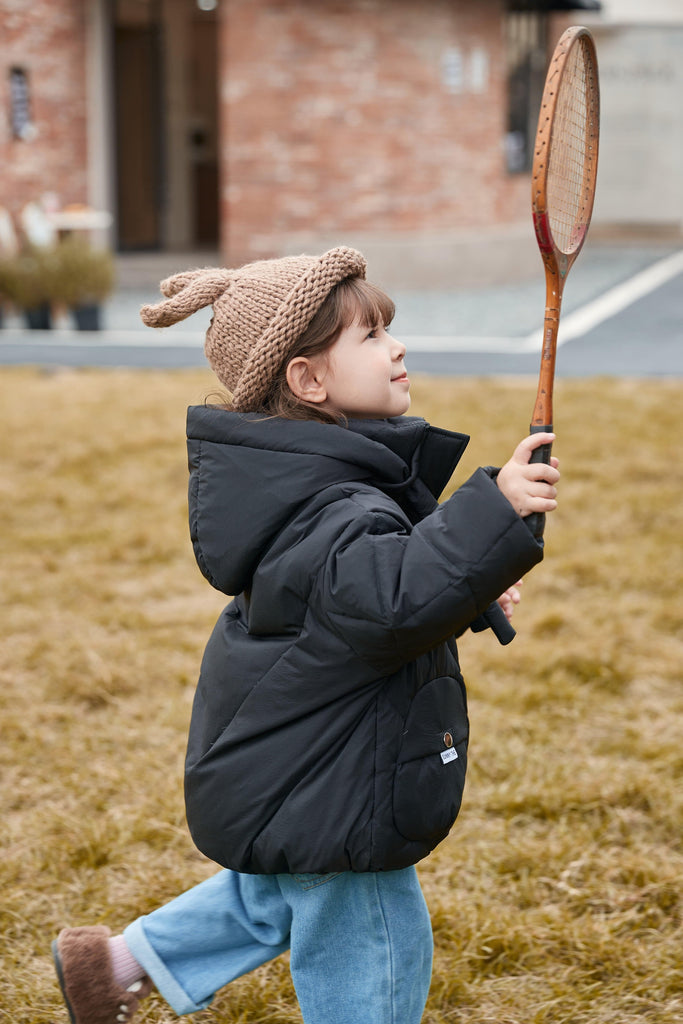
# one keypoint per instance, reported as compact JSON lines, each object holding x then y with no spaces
{"x":145,"y":954}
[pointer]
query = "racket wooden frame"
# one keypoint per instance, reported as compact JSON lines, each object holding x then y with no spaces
{"x":558,"y":260}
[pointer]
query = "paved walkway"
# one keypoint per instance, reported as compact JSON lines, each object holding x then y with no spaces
{"x":618,"y":300}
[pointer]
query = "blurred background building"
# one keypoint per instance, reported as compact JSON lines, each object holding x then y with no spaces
{"x":252,"y":128}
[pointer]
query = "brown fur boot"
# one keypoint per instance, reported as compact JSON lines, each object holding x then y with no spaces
{"x":86,"y":978}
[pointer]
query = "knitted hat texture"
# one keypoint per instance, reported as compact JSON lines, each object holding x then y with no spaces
{"x":259,"y":312}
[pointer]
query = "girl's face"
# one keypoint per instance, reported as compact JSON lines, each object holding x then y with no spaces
{"x":363,"y":375}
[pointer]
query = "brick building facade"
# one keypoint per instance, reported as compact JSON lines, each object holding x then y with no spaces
{"x":261,"y":127}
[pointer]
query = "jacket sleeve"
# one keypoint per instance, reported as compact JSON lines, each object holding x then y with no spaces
{"x":394,"y":593}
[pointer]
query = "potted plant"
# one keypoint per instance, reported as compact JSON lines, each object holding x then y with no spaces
{"x":9,"y":246}
{"x":27,"y":280}
{"x":4,"y":292}
{"x":84,"y":277}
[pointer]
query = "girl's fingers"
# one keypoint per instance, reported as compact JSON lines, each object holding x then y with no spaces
{"x":528,"y":444}
{"x":542,"y":471}
{"x":539,"y":504}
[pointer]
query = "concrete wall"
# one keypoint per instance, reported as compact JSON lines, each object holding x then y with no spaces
{"x":640,"y":177}
{"x":636,"y":12}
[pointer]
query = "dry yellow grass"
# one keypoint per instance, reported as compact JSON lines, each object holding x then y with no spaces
{"x":558,"y":898}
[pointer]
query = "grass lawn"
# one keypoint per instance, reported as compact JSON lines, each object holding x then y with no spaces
{"x":558,"y":897}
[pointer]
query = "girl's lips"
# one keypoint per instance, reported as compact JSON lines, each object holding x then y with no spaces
{"x":402,"y":376}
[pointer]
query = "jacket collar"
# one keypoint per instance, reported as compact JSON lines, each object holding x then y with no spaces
{"x":392,"y":453}
{"x":429,"y":454}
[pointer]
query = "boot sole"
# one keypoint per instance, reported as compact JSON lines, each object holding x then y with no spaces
{"x":60,"y":979}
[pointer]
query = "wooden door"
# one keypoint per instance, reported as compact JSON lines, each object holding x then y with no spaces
{"x":138,"y":136}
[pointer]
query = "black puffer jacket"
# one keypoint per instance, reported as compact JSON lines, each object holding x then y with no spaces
{"x":330,"y":706}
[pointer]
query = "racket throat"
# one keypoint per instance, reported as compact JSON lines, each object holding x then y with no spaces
{"x":543,"y":408}
{"x":550,"y":340}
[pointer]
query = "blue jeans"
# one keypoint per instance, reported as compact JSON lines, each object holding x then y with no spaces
{"x":361,"y":944}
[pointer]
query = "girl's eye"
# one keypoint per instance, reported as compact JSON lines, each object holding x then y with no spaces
{"x":373,"y":332}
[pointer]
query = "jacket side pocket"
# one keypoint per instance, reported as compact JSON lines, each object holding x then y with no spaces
{"x":430,"y":772}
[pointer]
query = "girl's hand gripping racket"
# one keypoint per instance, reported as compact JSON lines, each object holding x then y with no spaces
{"x":562,"y":190}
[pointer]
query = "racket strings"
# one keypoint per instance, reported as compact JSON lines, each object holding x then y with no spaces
{"x":571,"y":153}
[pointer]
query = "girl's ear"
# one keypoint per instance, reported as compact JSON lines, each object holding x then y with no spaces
{"x":305,"y":379}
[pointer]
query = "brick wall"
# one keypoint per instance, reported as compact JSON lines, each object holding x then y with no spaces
{"x":380,"y":119}
{"x":47,"y":40}
{"x":379,"y":123}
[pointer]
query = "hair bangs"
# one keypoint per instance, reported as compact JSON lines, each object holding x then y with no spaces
{"x":364,"y":303}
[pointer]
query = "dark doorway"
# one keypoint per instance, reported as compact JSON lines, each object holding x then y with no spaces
{"x":204,"y":131}
{"x":166,"y":124}
{"x":138,"y":135}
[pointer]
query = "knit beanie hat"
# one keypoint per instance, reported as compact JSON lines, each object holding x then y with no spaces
{"x":259,"y":312}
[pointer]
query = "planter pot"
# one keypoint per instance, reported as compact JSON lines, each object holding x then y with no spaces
{"x":87,"y":317}
{"x":39,"y":318}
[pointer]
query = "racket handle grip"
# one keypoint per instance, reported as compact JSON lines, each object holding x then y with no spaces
{"x":495,"y":618}
{"x":536,"y":521}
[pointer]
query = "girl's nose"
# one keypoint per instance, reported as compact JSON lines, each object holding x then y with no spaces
{"x":398,"y":349}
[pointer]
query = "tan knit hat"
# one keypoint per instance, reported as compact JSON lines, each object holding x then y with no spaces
{"x":259,"y":312}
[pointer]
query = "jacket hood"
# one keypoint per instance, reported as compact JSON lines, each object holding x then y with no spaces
{"x":249,"y":476}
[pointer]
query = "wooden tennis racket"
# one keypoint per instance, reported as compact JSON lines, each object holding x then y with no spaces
{"x":562,"y":191}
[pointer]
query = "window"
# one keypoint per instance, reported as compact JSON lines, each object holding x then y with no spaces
{"x":527,"y":54}
{"x":20,"y":106}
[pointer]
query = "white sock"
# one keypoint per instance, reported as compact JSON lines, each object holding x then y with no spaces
{"x":125,"y":966}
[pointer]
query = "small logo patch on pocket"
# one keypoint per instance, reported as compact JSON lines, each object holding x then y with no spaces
{"x":449,"y":755}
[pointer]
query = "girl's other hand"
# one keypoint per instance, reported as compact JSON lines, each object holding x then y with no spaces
{"x":530,"y":487}
{"x":509,"y":599}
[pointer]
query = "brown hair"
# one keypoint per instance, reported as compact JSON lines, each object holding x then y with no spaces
{"x":353,"y":300}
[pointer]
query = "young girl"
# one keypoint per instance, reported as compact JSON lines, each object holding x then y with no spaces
{"x":328,"y":739}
